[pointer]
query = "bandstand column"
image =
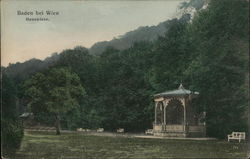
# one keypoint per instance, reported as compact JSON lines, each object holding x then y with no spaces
{"x":184,"y":104}
{"x":164,"y":111}
{"x":156,"y":112}
{"x":165,"y":103}
{"x":184,"y":113}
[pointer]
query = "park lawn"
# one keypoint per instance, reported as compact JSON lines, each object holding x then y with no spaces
{"x":47,"y":145}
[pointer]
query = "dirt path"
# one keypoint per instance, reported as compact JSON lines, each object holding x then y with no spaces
{"x":128,"y":135}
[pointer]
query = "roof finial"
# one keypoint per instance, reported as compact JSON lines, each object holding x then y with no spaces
{"x":181,"y":86}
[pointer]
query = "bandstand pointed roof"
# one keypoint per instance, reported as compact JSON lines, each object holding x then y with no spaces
{"x":181,"y":91}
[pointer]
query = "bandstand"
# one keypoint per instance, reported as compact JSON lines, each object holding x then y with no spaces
{"x":175,"y":116}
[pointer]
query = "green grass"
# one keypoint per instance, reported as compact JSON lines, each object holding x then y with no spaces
{"x":45,"y":145}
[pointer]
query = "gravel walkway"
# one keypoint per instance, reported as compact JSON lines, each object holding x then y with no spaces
{"x":129,"y":135}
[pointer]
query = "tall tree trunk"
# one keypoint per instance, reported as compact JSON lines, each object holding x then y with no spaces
{"x":57,"y":124}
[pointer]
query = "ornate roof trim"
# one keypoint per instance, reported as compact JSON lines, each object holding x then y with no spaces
{"x":181,"y":91}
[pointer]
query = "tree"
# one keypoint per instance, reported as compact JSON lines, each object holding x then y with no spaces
{"x":58,"y":91}
{"x":219,"y":69}
{"x":12,"y":131}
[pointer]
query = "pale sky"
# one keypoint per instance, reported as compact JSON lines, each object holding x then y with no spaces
{"x":78,"y":23}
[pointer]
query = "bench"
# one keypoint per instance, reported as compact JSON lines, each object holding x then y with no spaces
{"x":79,"y":129}
{"x":83,"y":130}
{"x":100,"y":130}
{"x":236,"y":136}
{"x":120,"y":130}
{"x":149,"y":131}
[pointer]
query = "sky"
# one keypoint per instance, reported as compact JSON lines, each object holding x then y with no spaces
{"x":79,"y":22}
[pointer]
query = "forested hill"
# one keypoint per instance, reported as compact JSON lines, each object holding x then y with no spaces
{"x":20,"y":71}
{"x":127,"y":40}
{"x":122,"y":42}
{"x":142,"y":34}
{"x":146,"y":33}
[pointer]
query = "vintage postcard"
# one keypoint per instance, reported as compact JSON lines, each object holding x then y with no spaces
{"x":132,"y":79}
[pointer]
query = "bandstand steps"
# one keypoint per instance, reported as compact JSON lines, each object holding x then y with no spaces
{"x":170,"y":134}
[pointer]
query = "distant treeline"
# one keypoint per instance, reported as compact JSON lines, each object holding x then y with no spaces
{"x":209,"y":54}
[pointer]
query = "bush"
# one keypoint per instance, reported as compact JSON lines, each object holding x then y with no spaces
{"x":12,"y":133}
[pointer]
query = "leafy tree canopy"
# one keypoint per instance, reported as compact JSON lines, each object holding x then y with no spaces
{"x":58,"y":90}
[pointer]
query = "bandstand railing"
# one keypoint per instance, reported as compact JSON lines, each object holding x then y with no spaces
{"x":178,"y":128}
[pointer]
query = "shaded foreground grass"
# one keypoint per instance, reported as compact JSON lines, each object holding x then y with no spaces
{"x":46,"y":145}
